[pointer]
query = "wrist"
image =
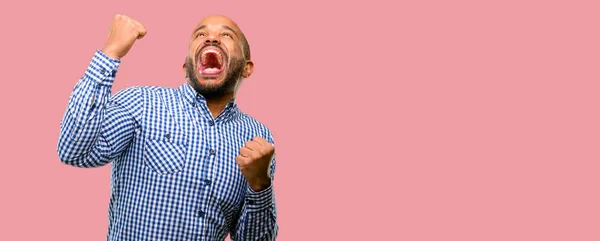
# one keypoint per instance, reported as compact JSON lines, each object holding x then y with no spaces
{"x":259,"y":200}
{"x":259,"y":184}
{"x":108,"y":51}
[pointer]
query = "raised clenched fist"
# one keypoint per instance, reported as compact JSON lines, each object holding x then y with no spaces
{"x":124,"y":31}
{"x":254,"y":161}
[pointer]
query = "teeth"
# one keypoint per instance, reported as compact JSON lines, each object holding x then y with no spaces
{"x":212,"y":51}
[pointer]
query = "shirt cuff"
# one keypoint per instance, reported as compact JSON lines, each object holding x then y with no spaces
{"x":257,"y":201}
{"x":103,"y":69}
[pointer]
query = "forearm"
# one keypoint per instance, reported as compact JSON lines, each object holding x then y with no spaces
{"x":258,"y":220}
{"x":80,"y":141}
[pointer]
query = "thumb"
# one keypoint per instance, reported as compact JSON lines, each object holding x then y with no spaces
{"x":141,"y":32}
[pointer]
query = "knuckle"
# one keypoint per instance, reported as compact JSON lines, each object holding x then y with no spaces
{"x":239,"y":160}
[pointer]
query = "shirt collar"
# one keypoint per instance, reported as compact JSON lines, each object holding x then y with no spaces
{"x":192,"y":97}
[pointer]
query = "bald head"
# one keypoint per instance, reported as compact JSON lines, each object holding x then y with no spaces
{"x":226,"y":23}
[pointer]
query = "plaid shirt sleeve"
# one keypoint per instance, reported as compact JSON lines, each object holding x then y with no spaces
{"x":97,"y":127}
{"x":258,"y":219}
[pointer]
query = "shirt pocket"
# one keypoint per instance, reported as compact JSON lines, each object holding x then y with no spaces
{"x":164,"y":157}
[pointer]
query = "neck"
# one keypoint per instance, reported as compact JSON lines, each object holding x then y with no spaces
{"x":217,"y":104}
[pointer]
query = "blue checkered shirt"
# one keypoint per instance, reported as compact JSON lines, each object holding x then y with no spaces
{"x":173,"y":169}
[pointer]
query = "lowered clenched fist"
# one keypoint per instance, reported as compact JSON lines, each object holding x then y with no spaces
{"x":124,"y":31}
{"x":254,"y":161}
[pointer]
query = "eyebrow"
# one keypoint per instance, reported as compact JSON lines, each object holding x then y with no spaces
{"x":222,"y":26}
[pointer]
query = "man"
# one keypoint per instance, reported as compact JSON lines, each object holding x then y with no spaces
{"x":187,"y":164}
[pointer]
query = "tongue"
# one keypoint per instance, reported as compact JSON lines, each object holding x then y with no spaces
{"x":210,"y":70}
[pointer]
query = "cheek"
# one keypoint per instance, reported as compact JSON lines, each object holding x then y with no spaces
{"x":232,"y":48}
{"x":194,"y":47}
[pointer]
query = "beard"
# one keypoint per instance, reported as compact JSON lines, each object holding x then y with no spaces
{"x":234,"y":69}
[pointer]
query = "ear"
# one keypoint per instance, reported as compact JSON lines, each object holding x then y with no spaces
{"x":184,"y":71}
{"x":248,"y":69}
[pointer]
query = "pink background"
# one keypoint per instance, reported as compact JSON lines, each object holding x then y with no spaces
{"x":431,"y":120}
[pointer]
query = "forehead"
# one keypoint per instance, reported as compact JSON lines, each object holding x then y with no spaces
{"x":213,"y":22}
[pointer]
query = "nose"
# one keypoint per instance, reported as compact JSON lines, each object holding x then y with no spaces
{"x":212,"y":40}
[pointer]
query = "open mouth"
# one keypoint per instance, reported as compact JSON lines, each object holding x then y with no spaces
{"x":211,"y":61}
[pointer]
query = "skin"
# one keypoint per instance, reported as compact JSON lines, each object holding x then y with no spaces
{"x":255,"y":156}
{"x":223,"y":32}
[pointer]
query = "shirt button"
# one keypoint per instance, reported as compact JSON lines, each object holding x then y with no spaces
{"x":207,"y":182}
{"x":212,"y":152}
{"x":168,"y":136}
{"x":211,"y":123}
{"x":200,"y":213}
{"x":102,"y":71}
{"x":193,"y":104}
{"x":250,"y":202}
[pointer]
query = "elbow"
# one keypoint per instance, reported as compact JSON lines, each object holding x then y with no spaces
{"x":69,"y":157}
{"x":75,"y":161}
{"x":63,"y":153}
{"x":68,"y":149}
{"x":66,"y":158}
{"x":64,"y":149}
